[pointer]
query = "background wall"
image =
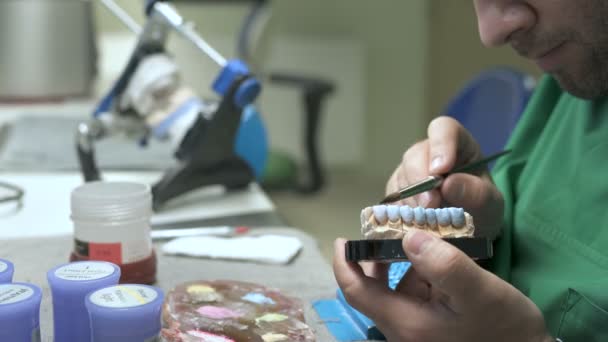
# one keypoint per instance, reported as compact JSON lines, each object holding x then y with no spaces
{"x":456,"y":54}
{"x":396,"y":36}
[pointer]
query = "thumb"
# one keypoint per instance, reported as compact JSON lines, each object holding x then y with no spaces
{"x":445,"y":267}
{"x":479,"y":196}
{"x":369,"y":295}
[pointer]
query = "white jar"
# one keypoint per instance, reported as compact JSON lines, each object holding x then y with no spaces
{"x":112,"y":221}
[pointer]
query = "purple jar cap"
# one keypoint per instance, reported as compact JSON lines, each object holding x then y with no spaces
{"x":20,"y":312}
{"x":128,"y":312}
{"x":6,"y":271}
{"x":69,"y":284}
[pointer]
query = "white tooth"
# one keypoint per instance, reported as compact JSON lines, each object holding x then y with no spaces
{"x":443,"y":217}
{"x":457,"y":216}
{"x":431,"y":218}
{"x":393,"y":213}
{"x":419,"y":216}
{"x":380,"y":213}
{"x":407,"y":214}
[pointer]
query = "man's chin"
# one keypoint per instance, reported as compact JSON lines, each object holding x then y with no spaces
{"x":582,"y":88}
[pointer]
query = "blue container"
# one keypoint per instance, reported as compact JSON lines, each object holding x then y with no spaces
{"x":20,"y":312}
{"x":6,"y":271}
{"x":125,"y":313}
{"x":70,"y":283}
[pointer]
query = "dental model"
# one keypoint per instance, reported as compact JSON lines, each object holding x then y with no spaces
{"x":393,"y":221}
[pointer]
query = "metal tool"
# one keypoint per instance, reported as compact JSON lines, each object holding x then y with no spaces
{"x":222,"y":231}
{"x":432,"y":182}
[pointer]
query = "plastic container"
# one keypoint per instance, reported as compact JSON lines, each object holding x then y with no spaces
{"x":20,"y":312}
{"x":125,"y":313}
{"x":112,"y":223}
{"x":6,"y":271}
{"x":70,"y":283}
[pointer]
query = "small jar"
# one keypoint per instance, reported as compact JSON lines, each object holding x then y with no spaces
{"x":70,"y":283}
{"x":6,"y":271}
{"x":20,"y":312}
{"x":125,"y":313}
{"x":112,"y":223}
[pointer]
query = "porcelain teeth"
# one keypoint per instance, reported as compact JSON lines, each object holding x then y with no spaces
{"x":392,"y":221}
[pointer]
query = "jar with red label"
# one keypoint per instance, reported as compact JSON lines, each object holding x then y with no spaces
{"x":112,"y":223}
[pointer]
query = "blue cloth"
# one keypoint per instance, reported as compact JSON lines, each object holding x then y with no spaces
{"x":396,"y":271}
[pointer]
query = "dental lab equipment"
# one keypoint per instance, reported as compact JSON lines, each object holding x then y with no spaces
{"x":148,"y":102}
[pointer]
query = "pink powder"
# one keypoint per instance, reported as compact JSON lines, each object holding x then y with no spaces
{"x":217,"y":312}
{"x":209,"y":337}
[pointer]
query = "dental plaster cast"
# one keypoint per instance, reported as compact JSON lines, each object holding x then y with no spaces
{"x":393,"y":221}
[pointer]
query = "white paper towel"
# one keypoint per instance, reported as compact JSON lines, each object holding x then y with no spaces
{"x":269,"y":249}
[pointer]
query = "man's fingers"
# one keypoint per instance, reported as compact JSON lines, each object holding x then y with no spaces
{"x":446,"y":268}
{"x":472,"y":193}
{"x":413,"y":285}
{"x":450,"y":144}
{"x":376,"y":270}
{"x":368,"y":295}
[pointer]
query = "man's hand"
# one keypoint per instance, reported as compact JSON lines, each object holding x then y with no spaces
{"x":444,"y":297}
{"x":450,"y":145}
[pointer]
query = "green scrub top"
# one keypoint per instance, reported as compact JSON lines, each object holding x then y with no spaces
{"x":554,"y":244}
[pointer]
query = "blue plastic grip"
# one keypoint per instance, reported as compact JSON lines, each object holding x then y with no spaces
{"x":247,"y":93}
{"x":248,"y":90}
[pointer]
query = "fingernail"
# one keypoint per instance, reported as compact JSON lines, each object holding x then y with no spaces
{"x":436,"y":163}
{"x":416,"y":242}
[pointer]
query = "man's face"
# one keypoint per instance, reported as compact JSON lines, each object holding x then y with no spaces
{"x":566,"y":38}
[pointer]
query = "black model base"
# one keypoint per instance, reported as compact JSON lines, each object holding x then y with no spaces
{"x":391,"y":250}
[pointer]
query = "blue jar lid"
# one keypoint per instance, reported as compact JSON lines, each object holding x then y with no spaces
{"x":6,"y":271}
{"x":20,"y":312}
{"x":127,"y":312}
{"x":69,"y":284}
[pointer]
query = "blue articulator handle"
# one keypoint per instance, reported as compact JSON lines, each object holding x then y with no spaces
{"x":247,"y":91}
{"x":344,"y":322}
